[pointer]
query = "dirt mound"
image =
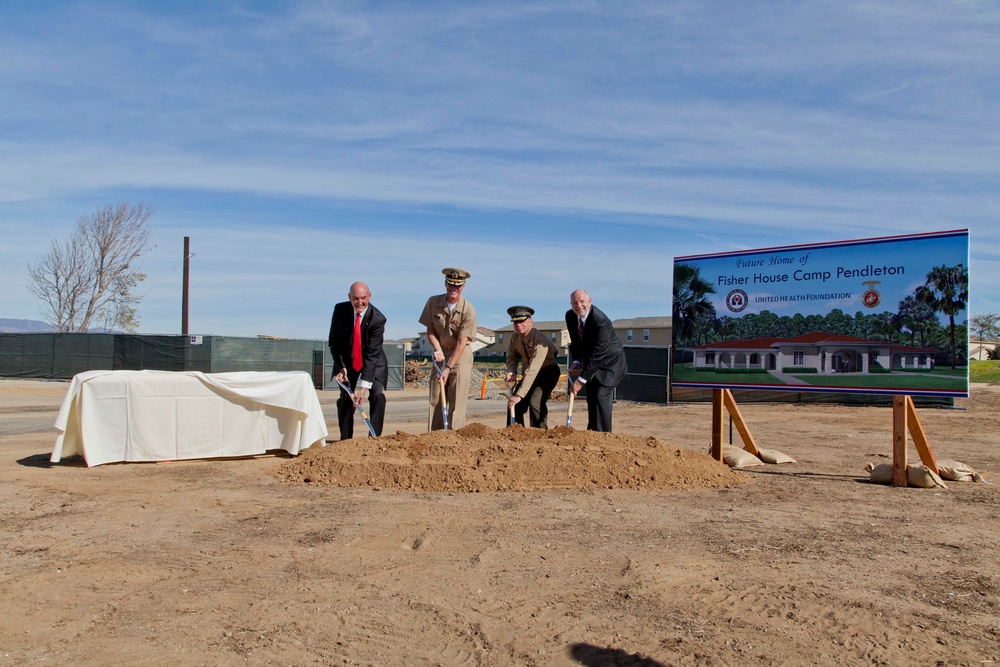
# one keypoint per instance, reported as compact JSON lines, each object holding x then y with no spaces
{"x":479,"y":458}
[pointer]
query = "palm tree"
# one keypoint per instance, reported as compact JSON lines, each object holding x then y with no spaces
{"x":946,"y":291}
{"x":917,"y":317}
{"x":691,"y":303}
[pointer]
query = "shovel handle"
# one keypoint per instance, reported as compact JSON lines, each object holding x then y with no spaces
{"x":569,"y":411}
{"x":357,"y":404}
{"x":444,"y":403}
{"x":510,"y":390}
{"x":444,"y":398}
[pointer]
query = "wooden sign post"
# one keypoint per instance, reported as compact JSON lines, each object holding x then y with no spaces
{"x":723,"y":398}
{"x":904,"y":418}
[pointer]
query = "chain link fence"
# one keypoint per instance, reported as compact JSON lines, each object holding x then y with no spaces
{"x":648,"y":377}
{"x":63,"y":355}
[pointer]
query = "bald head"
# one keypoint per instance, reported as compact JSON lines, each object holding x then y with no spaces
{"x":359,"y":296}
{"x":579,"y":301}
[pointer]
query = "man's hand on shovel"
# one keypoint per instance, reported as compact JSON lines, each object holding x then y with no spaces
{"x":573,"y":374}
{"x":357,"y":404}
{"x":508,"y":380}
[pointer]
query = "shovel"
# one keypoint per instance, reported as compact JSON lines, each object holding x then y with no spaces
{"x":371,"y":429}
{"x":571,"y":395}
{"x":444,"y":399}
{"x":510,"y":390}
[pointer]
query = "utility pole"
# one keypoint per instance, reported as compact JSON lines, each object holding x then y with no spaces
{"x":184,"y":297}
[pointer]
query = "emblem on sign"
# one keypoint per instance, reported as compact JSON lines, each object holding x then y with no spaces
{"x":736,"y":300}
{"x":871,"y":297}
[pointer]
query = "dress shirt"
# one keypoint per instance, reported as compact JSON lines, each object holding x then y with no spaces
{"x":582,"y":323}
{"x":363,"y":384}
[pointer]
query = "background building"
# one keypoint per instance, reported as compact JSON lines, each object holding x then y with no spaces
{"x":555,"y":330}
{"x":421,"y":347}
{"x":651,"y":331}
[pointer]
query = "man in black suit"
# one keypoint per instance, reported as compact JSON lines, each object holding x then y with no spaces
{"x":598,"y":358}
{"x":356,"y":333}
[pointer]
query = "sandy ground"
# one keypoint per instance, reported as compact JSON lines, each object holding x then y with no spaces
{"x":243,"y":562}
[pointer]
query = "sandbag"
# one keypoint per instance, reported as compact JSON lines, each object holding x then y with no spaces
{"x":737,"y":457}
{"x":774,"y":456}
{"x":956,"y":471}
{"x":923,"y":477}
{"x":879,"y":474}
{"x":916,"y":475}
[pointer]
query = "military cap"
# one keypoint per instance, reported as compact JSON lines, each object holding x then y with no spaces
{"x":520,"y":313}
{"x":455,"y":277}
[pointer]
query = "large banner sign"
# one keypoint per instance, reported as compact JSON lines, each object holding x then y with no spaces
{"x":876,"y":316}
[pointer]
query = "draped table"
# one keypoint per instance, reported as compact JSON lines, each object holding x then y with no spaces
{"x":111,"y":416}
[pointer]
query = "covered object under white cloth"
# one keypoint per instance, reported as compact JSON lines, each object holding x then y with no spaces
{"x":110,"y":416}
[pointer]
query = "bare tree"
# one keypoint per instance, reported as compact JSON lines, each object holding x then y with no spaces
{"x":91,"y":279}
{"x":986,"y":327}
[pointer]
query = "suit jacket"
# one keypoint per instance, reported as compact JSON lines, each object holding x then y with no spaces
{"x":374,"y":364}
{"x":599,"y":351}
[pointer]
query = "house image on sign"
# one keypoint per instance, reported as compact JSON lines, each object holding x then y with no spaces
{"x":827,"y":353}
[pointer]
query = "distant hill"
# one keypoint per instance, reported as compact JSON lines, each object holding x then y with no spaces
{"x":24,"y":326}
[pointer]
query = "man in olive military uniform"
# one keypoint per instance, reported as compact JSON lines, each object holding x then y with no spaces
{"x":451,"y":327}
{"x":536,"y":354}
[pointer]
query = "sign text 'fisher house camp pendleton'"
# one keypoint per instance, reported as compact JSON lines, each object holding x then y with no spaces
{"x":881,"y":315}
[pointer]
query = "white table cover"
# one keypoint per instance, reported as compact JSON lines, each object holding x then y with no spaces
{"x":110,"y":416}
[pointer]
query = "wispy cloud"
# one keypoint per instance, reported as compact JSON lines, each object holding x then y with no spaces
{"x":549,"y":144}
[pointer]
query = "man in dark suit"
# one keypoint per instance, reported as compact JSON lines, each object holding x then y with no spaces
{"x":598,"y":358}
{"x":356,"y":333}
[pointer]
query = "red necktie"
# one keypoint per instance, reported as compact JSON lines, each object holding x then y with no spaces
{"x":580,"y":328}
{"x":356,"y":345}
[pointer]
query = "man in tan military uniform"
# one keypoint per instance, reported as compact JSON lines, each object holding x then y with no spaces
{"x":537,"y":356}
{"x":451,"y":326}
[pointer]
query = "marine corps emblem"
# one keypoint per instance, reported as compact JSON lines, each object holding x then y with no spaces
{"x":871,"y":297}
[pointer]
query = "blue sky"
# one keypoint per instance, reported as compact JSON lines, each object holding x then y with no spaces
{"x":543,"y":146}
